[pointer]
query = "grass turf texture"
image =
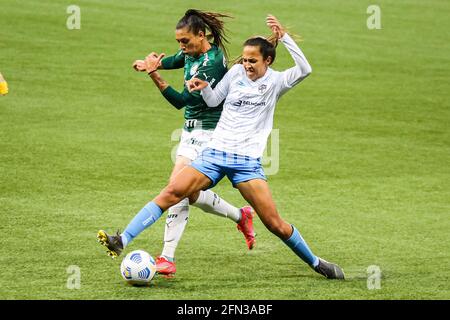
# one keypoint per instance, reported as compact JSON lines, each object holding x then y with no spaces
{"x":364,"y":152}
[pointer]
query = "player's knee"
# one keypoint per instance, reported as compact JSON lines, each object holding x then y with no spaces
{"x":173,"y":194}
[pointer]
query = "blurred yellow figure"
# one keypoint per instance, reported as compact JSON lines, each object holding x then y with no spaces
{"x":3,"y":85}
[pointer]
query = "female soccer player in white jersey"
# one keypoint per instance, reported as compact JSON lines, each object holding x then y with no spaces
{"x":251,"y":90}
{"x":205,"y":60}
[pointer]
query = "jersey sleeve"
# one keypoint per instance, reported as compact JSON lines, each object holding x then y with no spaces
{"x":173,"y":62}
{"x":174,"y":97}
{"x":183,"y":98}
{"x":210,"y":71}
{"x":213,"y":97}
{"x":302,"y":69}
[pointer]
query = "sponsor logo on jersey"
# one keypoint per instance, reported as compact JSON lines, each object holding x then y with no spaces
{"x":240,"y":103}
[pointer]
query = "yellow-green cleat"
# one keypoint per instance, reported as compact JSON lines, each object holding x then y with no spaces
{"x":113,"y":243}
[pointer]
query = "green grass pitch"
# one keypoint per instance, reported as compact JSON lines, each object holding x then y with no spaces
{"x":364,"y":155}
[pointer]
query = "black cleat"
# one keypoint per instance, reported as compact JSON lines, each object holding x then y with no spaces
{"x":113,"y":243}
{"x":329,"y":270}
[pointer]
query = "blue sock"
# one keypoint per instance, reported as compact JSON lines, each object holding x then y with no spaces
{"x":144,"y":219}
{"x":299,"y":246}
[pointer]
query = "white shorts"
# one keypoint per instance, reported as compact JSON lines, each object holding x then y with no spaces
{"x":193,"y":143}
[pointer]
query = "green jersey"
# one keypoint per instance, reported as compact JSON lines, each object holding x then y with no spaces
{"x":209,"y":66}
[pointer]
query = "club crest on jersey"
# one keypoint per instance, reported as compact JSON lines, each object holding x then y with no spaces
{"x":262,"y":88}
{"x":194,"y":69}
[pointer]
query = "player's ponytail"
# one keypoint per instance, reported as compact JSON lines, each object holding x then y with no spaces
{"x":196,"y":21}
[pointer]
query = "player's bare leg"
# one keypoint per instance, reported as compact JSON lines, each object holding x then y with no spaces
{"x":178,"y":216}
{"x":258,"y":194}
{"x":188,"y":182}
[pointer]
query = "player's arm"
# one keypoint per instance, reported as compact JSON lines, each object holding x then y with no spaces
{"x":150,"y":65}
{"x":175,"y":98}
{"x":302,"y":67}
{"x":210,"y":73}
{"x":212,"y":97}
{"x":172,"y":62}
{"x":170,"y":94}
{"x":3,"y":85}
{"x":178,"y":99}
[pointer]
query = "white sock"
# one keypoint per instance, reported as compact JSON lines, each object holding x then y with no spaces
{"x":177,"y":218}
{"x":210,"y":202}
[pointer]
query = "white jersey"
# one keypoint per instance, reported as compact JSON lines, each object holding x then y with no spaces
{"x":247,"y":116}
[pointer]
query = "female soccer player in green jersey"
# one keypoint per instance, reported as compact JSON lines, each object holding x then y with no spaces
{"x":207,"y":61}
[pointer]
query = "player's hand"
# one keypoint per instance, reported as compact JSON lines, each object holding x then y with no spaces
{"x":139,"y":65}
{"x":275,"y":26}
{"x":196,"y":84}
{"x":153,"y":61}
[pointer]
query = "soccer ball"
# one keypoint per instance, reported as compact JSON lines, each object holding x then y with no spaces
{"x":138,"y":268}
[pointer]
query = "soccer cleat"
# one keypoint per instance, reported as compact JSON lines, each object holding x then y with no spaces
{"x":165,"y":267}
{"x":329,"y":270}
{"x":246,"y":226}
{"x":113,"y":243}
